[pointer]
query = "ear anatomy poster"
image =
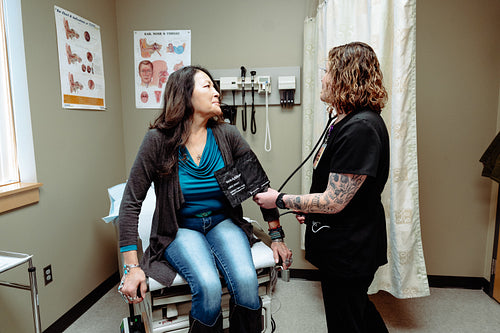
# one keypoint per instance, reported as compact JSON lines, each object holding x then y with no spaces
{"x":158,"y":54}
{"x":80,"y":61}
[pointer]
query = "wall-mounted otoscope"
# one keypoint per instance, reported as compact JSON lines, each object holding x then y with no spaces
{"x":243,"y":102}
{"x":231,"y":81}
{"x":286,"y":93}
{"x":253,"y":125}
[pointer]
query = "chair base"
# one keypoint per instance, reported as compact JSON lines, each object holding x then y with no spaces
{"x":180,"y":324}
{"x":167,"y":310}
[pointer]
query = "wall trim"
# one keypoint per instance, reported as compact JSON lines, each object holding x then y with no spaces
{"x":435,"y":281}
{"x":81,"y":307}
{"x":464,"y":282}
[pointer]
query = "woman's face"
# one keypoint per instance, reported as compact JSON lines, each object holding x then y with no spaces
{"x":324,"y":86}
{"x":205,"y":98}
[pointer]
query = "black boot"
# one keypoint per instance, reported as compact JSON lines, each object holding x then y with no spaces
{"x":196,"y":326}
{"x":243,"y":320}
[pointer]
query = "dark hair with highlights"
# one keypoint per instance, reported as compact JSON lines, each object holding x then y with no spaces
{"x":177,"y":115}
{"x":354,"y":79}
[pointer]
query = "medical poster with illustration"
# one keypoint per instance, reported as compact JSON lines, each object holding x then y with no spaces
{"x":158,"y":54}
{"x":80,"y":61}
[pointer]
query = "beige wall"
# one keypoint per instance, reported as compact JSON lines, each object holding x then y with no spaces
{"x":458,"y":77}
{"x":81,"y":153}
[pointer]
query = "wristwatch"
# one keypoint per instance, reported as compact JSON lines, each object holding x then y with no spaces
{"x":279,"y":201}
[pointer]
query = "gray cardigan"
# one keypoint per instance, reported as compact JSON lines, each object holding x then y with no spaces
{"x":146,"y":170}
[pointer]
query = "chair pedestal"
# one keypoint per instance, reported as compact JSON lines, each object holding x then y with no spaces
{"x":167,"y":310}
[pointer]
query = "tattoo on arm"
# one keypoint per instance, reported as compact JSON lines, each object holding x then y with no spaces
{"x":340,"y":190}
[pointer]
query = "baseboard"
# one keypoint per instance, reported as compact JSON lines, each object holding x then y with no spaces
{"x":81,"y":307}
{"x":435,"y":281}
{"x":306,"y":274}
{"x":464,"y":282}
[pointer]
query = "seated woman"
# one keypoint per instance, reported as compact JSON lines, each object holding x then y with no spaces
{"x":195,"y":231}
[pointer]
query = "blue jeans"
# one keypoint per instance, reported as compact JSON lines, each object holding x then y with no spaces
{"x":199,"y":255}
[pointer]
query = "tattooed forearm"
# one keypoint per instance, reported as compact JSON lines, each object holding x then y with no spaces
{"x":339,"y":192}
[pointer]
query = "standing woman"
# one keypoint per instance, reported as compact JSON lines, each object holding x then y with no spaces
{"x":195,"y":231}
{"x":346,"y":234}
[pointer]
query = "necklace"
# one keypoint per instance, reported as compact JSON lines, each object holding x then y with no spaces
{"x":195,"y":154}
{"x":196,"y":145}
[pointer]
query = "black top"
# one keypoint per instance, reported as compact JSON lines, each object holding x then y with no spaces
{"x":354,"y":241}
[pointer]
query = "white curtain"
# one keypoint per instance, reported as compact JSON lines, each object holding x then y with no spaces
{"x":389,"y":26}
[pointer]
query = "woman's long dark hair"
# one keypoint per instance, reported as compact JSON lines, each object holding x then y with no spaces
{"x":177,"y":115}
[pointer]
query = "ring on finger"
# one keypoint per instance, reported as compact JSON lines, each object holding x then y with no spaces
{"x":124,"y":298}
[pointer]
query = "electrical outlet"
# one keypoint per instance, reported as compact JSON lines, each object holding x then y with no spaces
{"x":48,"y":275}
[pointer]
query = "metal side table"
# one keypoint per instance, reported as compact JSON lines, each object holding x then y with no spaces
{"x":9,"y":260}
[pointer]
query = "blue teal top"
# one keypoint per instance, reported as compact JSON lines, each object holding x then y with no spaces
{"x":201,"y":190}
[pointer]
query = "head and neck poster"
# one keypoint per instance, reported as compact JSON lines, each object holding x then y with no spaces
{"x":80,"y":61}
{"x":157,"y":54}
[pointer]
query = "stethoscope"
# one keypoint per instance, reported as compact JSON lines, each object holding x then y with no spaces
{"x":327,"y":127}
{"x":243,"y":102}
{"x":234,"y":111}
{"x":253,"y":125}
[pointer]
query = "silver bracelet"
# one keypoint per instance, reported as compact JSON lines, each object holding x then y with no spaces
{"x":278,"y":240}
{"x":127,"y":268}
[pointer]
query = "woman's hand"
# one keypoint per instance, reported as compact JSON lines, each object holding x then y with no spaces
{"x":267,"y":199}
{"x":280,"y":250}
{"x":134,"y":279}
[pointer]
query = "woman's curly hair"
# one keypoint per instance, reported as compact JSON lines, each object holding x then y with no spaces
{"x":354,"y":79}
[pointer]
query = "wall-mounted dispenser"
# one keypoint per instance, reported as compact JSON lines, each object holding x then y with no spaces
{"x":286,"y":86}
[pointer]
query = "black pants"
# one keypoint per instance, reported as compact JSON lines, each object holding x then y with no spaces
{"x":347,"y":306}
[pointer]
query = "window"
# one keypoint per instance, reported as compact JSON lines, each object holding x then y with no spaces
{"x":18,"y":185}
{"x":8,"y":160}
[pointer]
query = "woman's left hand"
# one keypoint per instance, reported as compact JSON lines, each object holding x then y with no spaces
{"x":280,"y":250}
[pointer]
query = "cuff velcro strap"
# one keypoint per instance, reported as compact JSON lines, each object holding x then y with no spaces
{"x":276,"y":233}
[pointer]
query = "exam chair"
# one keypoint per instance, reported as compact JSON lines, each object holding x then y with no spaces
{"x":167,"y":309}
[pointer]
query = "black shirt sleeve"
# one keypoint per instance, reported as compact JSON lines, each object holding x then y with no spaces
{"x":357,"y":148}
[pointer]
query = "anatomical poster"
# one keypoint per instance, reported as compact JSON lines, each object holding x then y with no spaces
{"x":158,"y":54}
{"x":80,"y":61}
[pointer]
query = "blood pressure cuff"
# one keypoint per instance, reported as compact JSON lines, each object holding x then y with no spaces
{"x":242,"y":179}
